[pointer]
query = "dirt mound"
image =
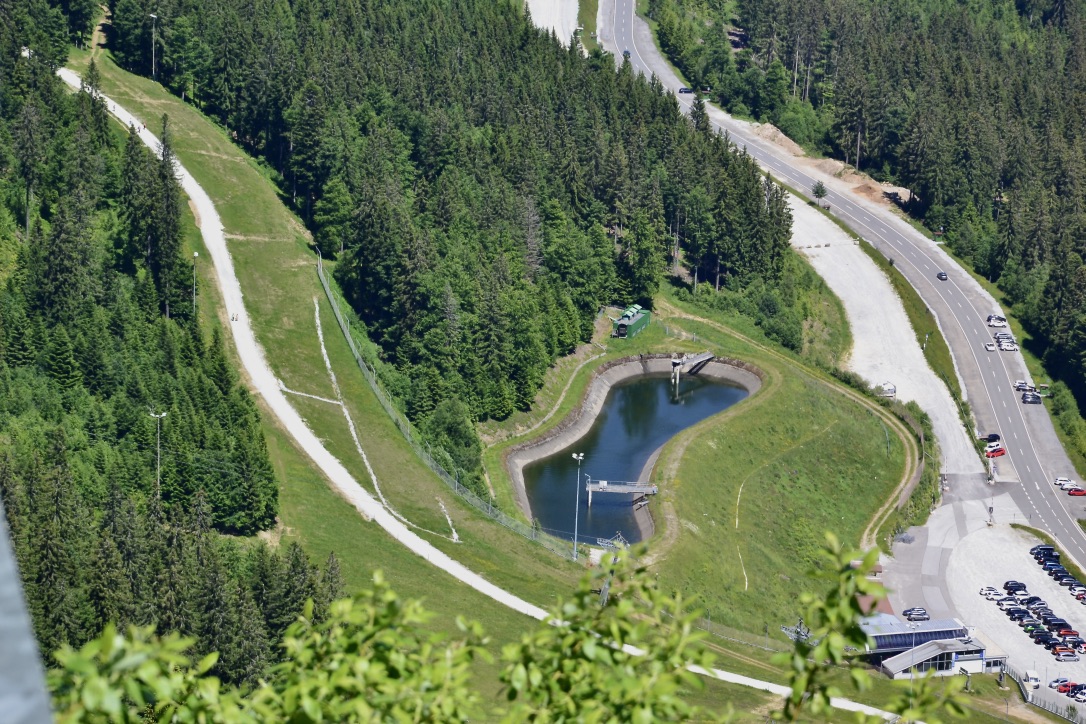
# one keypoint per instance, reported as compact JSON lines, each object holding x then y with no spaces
{"x":830,"y":166}
{"x":771,"y":133}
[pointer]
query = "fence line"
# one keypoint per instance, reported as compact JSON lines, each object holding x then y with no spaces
{"x":1049,"y":699}
{"x":421,"y":448}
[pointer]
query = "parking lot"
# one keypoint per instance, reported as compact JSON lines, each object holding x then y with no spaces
{"x":991,"y":556}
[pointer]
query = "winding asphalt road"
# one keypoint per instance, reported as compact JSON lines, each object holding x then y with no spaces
{"x":960,"y":305}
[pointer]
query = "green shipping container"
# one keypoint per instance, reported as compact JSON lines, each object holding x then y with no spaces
{"x":632,"y":321}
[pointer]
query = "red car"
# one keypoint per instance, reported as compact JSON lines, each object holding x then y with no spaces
{"x":996,"y":453}
{"x":1079,"y":492}
{"x":1062,"y":688}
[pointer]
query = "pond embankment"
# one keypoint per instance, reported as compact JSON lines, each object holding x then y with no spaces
{"x":580,"y":420}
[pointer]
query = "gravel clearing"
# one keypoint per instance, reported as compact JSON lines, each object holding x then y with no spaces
{"x":884,"y":347}
{"x":557,"y":15}
{"x":990,"y":556}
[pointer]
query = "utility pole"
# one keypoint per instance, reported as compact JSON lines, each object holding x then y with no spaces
{"x":577,"y":510}
{"x":195,"y":254}
{"x":154,"y":28}
{"x":158,"y":447}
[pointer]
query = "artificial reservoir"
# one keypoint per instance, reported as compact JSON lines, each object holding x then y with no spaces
{"x":638,"y":416}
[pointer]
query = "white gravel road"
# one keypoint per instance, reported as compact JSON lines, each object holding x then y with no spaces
{"x":884,"y":348}
{"x":557,"y":15}
{"x":264,"y":382}
{"x":991,"y":556}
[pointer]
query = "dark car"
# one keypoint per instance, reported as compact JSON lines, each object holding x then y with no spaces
{"x":1040,"y":634}
{"x":1047,"y":641}
{"x":941,"y":276}
{"x":1053,"y":644}
{"x":1056,"y":626}
{"x":1008,"y":585}
{"x":1035,"y":550}
{"x":626,"y":54}
{"x":915,"y":609}
{"x":686,"y":90}
{"x":1033,"y":601}
{"x":994,"y":437}
{"x":1068,"y":581}
{"x":1031,"y":398}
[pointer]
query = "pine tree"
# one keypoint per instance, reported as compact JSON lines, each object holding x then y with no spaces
{"x":60,"y":360}
{"x":110,"y":592}
{"x":329,"y":587}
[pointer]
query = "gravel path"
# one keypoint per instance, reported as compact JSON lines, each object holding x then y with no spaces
{"x":884,"y":347}
{"x":990,"y":556}
{"x":264,"y":382}
{"x":557,"y":15}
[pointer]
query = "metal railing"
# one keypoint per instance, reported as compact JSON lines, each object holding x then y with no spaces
{"x":422,"y":449}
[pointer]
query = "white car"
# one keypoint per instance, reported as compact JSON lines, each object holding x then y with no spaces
{"x":997,"y":323}
{"x":993,"y":446}
{"x":1056,"y":682}
{"x":1061,"y":481}
{"x":1008,"y":347}
{"x":988,"y":591}
{"x":1068,"y":485}
{"x":1075,"y":590}
{"x":989,"y":346}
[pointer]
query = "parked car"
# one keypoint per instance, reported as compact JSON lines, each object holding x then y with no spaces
{"x":941,"y":276}
{"x":1077,"y":492}
{"x":1064,"y":686}
{"x":1009,"y":585}
{"x":988,"y":589}
{"x":1068,"y":581}
{"x":997,"y":323}
{"x":1031,"y":399}
{"x":993,"y":446}
{"x":1061,"y":481}
{"x":915,"y":609}
{"x":686,"y":90}
{"x":1067,"y":656}
{"x":919,"y":617}
{"x":1057,"y":681}
{"x":997,"y":453}
{"x":1035,"y":550}
{"x":1068,"y":485}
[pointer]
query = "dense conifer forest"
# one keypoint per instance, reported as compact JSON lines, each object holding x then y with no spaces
{"x":976,"y":107}
{"x":97,"y":333}
{"x":483,"y":190}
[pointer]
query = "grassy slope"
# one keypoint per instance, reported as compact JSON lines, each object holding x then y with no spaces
{"x":271,"y":256}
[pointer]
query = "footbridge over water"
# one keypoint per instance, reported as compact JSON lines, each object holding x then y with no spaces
{"x":692,"y":364}
{"x":616,"y":486}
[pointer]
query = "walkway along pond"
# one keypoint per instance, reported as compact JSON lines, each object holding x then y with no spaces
{"x":629,"y":412}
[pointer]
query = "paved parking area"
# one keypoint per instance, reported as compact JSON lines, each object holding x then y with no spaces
{"x":990,"y":556}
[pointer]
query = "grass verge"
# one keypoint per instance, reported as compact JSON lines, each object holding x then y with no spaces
{"x":586,"y":18}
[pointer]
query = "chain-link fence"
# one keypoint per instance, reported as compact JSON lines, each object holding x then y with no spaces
{"x":1049,"y":699}
{"x":422,"y":448}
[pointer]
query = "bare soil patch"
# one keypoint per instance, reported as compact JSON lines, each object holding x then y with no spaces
{"x":771,"y":133}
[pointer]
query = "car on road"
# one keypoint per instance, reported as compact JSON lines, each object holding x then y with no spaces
{"x":941,"y":276}
{"x":988,"y":590}
{"x":686,"y":90}
{"x":989,"y":346}
{"x":997,"y":322}
{"x":998,"y":452}
{"x":1020,"y":385}
{"x":1031,"y":398}
{"x":915,"y":609}
{"x":1008,"y":347}
{"x":1078,"y":492}
{"x":1067,"y":656}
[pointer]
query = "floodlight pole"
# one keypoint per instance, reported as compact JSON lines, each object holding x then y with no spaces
{"x":577,"y":510}
{"x":195,"y":254}
{"x":154,"y":28}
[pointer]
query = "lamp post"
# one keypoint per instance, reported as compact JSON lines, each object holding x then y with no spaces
{"x":158,"y":447}
{"x":195,"y":254}
{"x":577,"y":510}
{"x":154,"y":27}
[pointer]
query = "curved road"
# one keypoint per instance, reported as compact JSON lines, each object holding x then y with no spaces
{"x":960,"y":305}
{"x":264,"y":382}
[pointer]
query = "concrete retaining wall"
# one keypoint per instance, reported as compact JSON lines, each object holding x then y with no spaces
{"x":579,"y":421}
